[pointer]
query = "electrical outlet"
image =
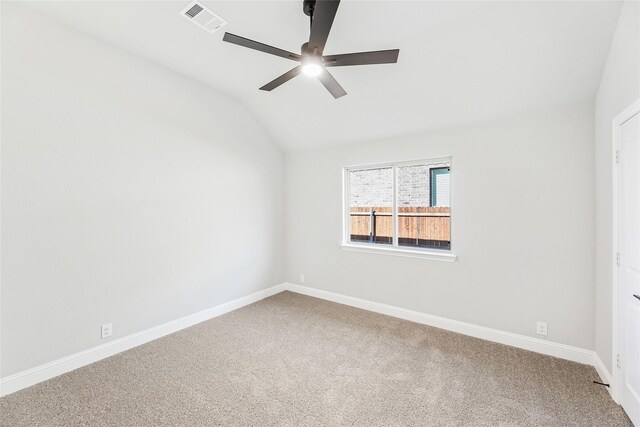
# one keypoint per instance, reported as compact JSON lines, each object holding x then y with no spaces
{"x":302,"y":278}
{"x":107,"y":330}
{"x":541,"y":328}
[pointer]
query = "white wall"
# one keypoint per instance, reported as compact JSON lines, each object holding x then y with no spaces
{"x":522,"y":227}
{"x":619,"y":88}
{"x":129,"y":194}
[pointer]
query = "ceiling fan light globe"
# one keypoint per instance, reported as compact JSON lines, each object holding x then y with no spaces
{"x":312,"y":70}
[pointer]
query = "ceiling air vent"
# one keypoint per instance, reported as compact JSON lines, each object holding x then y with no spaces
{"x":204,"y":17}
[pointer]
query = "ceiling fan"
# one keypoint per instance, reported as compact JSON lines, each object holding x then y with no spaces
{"x":312,"y":61}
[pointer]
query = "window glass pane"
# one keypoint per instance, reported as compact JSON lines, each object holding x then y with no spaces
{"x":440,"y":186}
{"x":371,"y":205}
{"x":424,"y":218}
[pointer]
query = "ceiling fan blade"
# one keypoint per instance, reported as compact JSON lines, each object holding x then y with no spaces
{"x":323,"y":15}
{"x":331,"y":84}
{"x":252,"y":44}
{"x":282,"y":79}
{"x":362,"y":58}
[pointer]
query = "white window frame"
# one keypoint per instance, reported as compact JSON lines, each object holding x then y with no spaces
{"x":393,"y":249}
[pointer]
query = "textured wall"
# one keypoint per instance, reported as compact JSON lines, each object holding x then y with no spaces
{"x":371,"y":188}
{"x":518,"y":262}
{"x":128,"y":194}
{"x":620,"y":86}
{"x":374,"y":187}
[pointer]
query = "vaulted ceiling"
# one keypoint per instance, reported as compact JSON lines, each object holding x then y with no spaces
{"x":460,"y":62}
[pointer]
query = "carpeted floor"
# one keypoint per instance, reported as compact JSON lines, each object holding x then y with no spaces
{"x":295,"y":360}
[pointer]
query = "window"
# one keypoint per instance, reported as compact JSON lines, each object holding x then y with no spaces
{"x":400,"y":206}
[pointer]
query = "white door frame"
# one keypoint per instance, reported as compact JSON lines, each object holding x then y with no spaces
{"x":625,"y":115}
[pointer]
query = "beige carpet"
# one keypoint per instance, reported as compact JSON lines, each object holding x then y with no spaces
{"x":296,"y":360}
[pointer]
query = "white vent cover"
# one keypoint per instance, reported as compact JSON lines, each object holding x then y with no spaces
{"x":204,"y":17}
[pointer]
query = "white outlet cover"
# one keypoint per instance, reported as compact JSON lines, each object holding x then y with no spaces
{"x":106,"y":330}
{"x":302,"y":278}
{"x":541,"y":328}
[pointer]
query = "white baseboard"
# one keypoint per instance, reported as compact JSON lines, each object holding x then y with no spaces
{"x":550,"y":348}
{"x":52,"y":369}
{"x":603,"y":373}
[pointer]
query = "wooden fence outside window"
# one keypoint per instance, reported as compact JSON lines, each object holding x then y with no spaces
{"x":417,"y":226}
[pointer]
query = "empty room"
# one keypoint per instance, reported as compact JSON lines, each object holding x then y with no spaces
{"x":319,"y":213}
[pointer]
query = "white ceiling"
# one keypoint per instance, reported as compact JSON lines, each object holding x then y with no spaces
{"x":460,"y":62}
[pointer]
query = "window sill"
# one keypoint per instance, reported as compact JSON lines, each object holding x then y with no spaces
{"x":446,"y":256}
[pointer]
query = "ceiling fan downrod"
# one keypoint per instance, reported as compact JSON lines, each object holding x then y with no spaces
{"x":308,"y":6}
